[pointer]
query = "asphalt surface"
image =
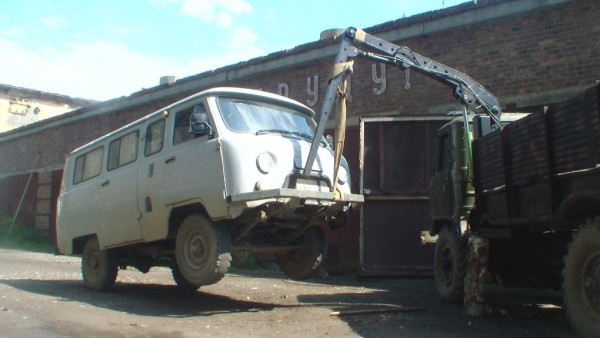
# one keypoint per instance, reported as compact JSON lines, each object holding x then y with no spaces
{"x":42,"y":295}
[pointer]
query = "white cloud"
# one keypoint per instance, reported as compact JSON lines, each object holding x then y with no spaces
{"x":96,"y":70}
{"x":243,"y":37}
{"x":162,"y":2}
{"x":14,"y":33}
{"x":104,"y":70}
{"x":220,"y":12}
{"x":54,"y":22}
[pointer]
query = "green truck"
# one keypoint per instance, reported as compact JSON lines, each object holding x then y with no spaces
{"x":532,"y":189}
{"x":518,"y":196}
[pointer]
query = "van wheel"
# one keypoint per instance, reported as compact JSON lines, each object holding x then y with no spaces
{"x":98,"y":267}
{"x":304,"y":262}
{"x":581,"y":279}
{"x":450,"y":265}
{"x":202,"y":251}
{"x":181,"y":282}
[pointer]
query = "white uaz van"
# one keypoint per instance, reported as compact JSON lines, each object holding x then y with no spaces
{"x":217,"y":173}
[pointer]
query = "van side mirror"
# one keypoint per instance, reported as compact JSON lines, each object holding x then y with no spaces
{"x":199,"y":124}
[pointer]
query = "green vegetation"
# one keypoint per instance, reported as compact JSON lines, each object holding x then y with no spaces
{"x":248,"y":262}
{"x":22,"y":237}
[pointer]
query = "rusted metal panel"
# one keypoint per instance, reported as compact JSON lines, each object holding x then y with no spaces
{"x":55,"y":192}
{"x":490,"y":173}
{"x":396,"y":155}
{"x":575,"y":129}
{"x":529,"y":185}
{"x":489,"y":164}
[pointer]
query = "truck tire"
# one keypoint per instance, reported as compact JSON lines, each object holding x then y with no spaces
{"x":98,"y":267}
{"x":581,"y":280}
{"x":450,"y":266}
{"x":304,"y":263}
{"x":202,"y":251}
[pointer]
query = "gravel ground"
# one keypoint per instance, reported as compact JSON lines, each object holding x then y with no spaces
{"x":42,"y":295}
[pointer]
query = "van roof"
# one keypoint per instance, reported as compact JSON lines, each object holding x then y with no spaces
{"x":243,"y":93}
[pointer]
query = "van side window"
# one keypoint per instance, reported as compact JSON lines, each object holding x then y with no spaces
{"x":88,"y":165}
{"x":155,"y":134}
{"x":181,"y":131}
{"x":123,"y":150}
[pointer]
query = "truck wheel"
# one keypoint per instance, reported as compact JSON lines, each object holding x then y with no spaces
{"x":304,"y":262}
{"x":450,"y":265}
{"x":98,"y":267}
{"x":581,"y":279}
{"x":202,"y":251}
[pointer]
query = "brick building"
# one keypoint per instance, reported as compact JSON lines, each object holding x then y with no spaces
{"x":529,"y":53}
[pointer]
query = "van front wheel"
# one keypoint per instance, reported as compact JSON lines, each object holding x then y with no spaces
{"x":202,"y":251}
{"x":98,"y":267}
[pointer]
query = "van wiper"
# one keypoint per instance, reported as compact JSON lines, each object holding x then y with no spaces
{"x":303,"y":135}
{"x":287,"y":132}
{"x":277,"y":131}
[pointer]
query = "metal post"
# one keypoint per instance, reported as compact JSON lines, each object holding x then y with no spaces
{"x":22,"y":198}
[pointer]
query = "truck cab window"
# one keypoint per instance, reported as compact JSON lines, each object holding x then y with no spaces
{"x":155,"y":134}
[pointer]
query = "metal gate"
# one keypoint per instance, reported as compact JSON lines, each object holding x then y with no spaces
{"x":396,"y":156}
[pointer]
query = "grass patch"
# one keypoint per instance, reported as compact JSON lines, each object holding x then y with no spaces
{"x":22,"y":237}
{"x":249,"y":262}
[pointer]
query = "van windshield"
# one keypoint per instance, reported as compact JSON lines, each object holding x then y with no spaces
{"x":254,"y":117}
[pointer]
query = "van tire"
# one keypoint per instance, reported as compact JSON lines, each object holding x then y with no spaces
{"x":304,"y":263}
{"x":450,"y":265}
{"x":181,"y":282}
{"x":202,"y":251}
{"x":581,"y":279}
{"x":98,"y":267}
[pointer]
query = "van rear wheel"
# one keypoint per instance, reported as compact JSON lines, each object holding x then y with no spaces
{"x":304,"y":262}
{"x":202,"y":252}
{"x":98,"y":267}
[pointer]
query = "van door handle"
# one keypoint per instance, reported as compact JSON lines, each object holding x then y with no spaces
{"x":105,"y":183}
{"x":171,"y":160}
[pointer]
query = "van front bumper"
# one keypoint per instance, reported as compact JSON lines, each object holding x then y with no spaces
{"x":321,"y":197}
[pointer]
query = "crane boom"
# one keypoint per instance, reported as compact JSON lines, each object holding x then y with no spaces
{"x":357,"y":43}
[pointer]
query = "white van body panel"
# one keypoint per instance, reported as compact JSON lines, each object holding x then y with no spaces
{"x":225,"y":173}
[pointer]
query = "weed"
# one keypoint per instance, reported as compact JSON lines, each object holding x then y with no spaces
{"x":22,"y":237}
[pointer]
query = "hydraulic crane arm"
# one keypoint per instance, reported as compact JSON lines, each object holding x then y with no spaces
{"x":464,"y":88}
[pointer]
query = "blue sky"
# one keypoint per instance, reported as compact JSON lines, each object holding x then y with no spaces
{"x":111,"y":48}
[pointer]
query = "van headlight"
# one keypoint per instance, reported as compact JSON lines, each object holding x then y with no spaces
{"x":264,"y":163}
{"x":342,"y":175}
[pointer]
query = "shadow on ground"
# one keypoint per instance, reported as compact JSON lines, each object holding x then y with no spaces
{"x":514,"y":312}
{"x":142,"y":299}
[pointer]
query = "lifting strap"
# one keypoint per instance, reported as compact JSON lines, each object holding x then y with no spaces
{"x":340,"y":69}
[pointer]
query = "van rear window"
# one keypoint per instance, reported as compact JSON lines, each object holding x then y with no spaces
{"x":88,"y":165}
{"x":123,"y":150}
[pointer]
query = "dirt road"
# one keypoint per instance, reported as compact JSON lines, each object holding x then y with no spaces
{"x":42,"y":295}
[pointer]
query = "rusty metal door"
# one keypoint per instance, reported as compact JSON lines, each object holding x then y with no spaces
{"x":396,"y":155}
